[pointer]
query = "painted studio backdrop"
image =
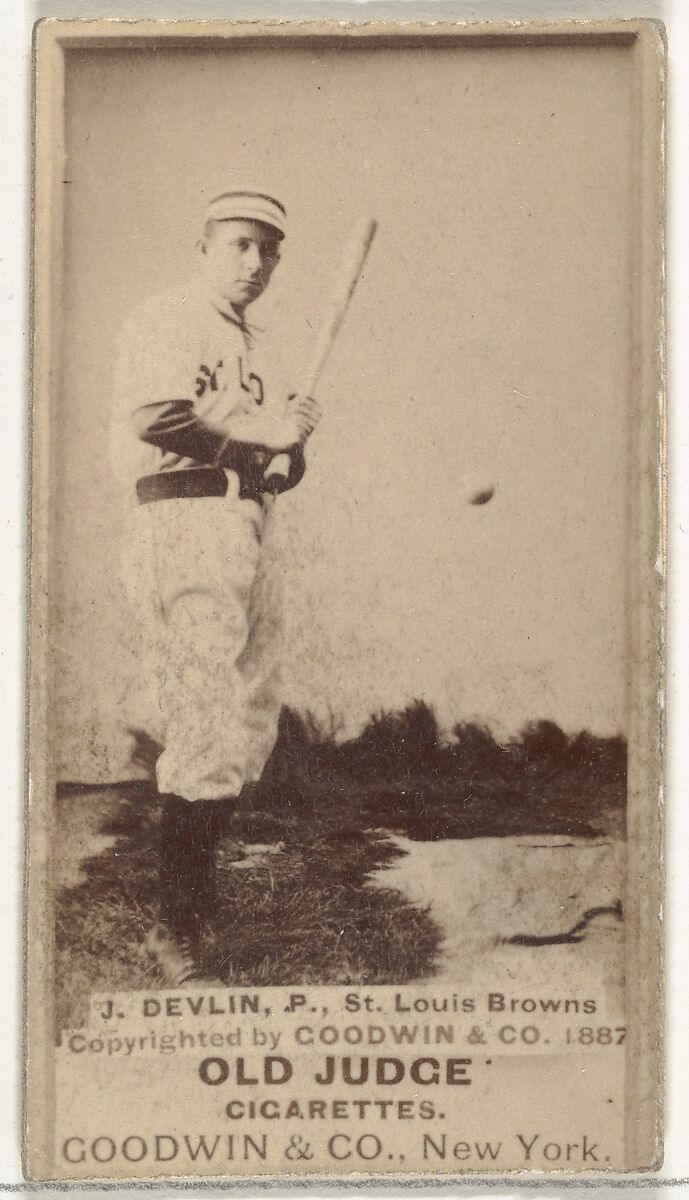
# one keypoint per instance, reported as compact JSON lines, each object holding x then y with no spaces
{"x":487,"y":343}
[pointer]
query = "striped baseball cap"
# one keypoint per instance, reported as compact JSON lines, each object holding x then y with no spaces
{"x":248,"y":205}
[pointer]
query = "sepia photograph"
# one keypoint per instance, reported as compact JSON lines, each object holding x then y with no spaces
{"x":347,"y":502}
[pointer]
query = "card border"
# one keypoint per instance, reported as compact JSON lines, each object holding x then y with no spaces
{"x":52,"y":37}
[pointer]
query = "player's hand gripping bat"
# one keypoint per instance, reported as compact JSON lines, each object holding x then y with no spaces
{"x":353,"y":259}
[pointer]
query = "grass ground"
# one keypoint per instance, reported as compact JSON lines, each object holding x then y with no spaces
{"x":304,"y":913}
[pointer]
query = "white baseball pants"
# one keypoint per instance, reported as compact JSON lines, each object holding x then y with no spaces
{"x":209,"y":631}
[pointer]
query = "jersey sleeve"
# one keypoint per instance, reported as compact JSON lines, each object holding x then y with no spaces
{"x":153,"y":356}
{"x":155,"y":386}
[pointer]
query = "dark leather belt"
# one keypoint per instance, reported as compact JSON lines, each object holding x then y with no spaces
{"x":188,"y":484}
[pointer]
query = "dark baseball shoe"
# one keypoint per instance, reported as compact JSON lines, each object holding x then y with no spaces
{"x":176,"y":958}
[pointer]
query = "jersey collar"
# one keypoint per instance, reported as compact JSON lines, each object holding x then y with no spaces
{"x":228,"y":314}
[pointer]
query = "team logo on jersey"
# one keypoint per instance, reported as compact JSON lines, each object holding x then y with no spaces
{"x":251,"y":383}
{"x":206,"y":378}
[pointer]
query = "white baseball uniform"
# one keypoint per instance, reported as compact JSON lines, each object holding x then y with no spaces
{"x":205,"y":612}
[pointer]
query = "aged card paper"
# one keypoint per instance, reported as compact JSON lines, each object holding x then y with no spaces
{"x":347,"y":566}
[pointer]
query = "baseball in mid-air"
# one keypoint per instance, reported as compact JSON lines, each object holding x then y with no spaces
{"x":478,"y":489}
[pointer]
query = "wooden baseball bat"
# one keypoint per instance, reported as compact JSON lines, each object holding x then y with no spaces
{"x":353,"y":258}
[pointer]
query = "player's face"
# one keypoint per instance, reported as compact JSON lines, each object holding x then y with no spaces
{"x":240,"y":259}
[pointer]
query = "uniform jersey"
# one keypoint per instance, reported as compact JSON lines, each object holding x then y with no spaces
{"x":187,"y":370}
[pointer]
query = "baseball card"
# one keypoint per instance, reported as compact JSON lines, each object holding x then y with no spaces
{"x":347,"y":578}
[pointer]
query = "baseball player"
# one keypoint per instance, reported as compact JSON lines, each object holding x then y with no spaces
{"x":201,"y":412}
